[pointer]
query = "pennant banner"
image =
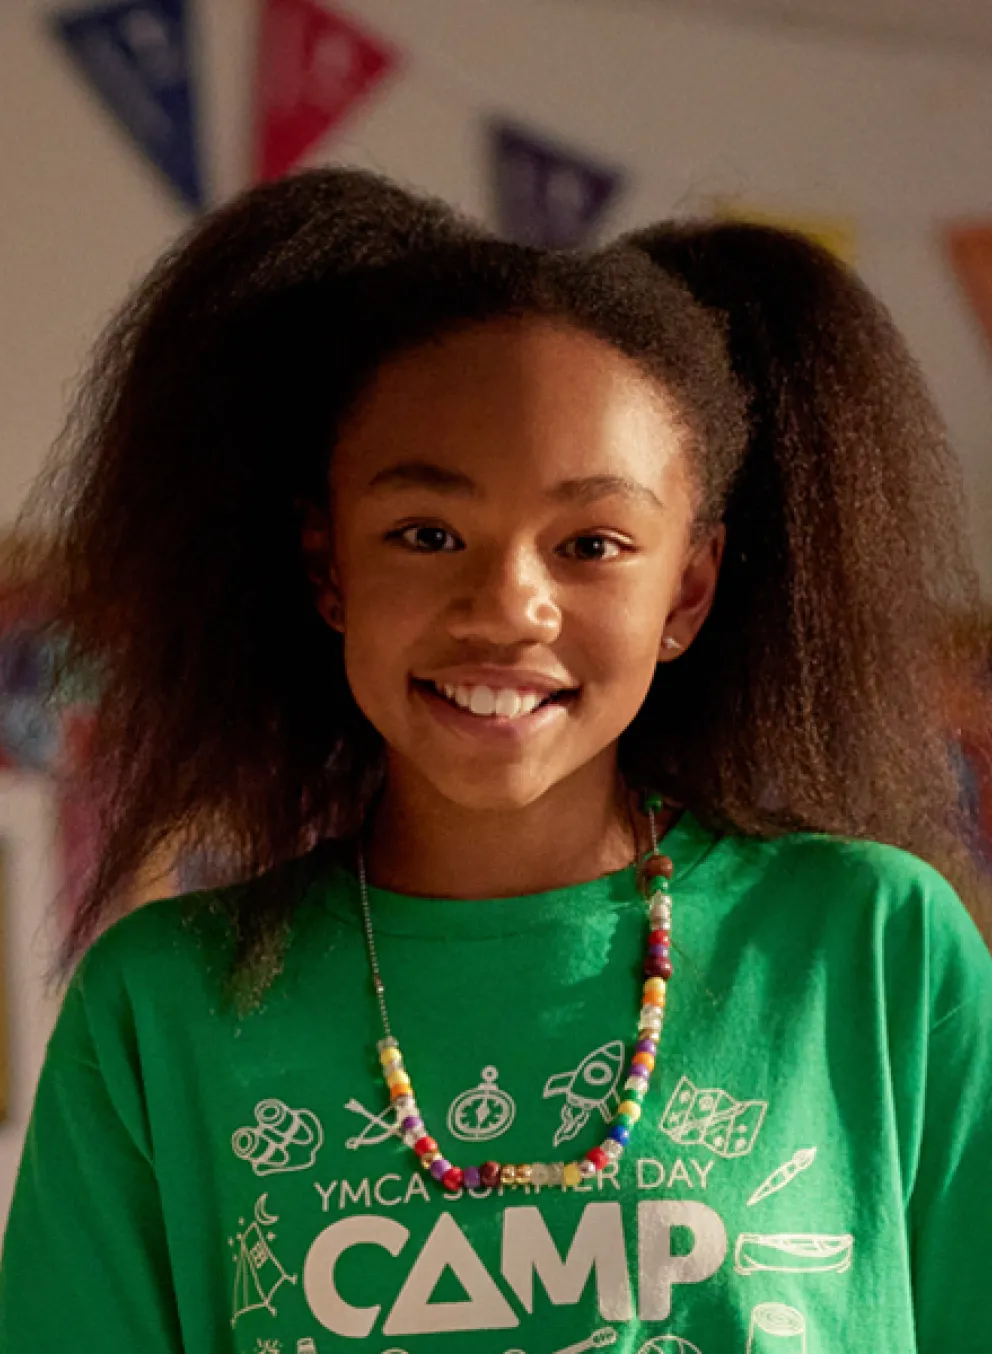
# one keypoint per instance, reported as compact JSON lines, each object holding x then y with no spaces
{"x":314,"y":67}
{"x":136,"y":55}
{"x":970,"y":250}
{"x":545,"y":194}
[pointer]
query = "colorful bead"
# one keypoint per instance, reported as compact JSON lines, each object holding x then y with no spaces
{"x":661,"y":936}
{"x":473,"y":1177}
{"x":636,"y":1085}
{"x":619,"y":1133}
{"x":398,"y":1076}
{"x":643,"y":1060}
{"x":613,"y":1149}
{"x":390,"y":1056}
{"x":540,"y":1174}
{"x":556,"y":1173}
{"x":598,"y":1158}
{"x":453,"y":1178}
{"x":524,"y":1174}
{"x":631,"y":1109}
{"x":388,"y":1042}
{"x":439,"y":1168}
{"x":571,"y":1175}
{"x":659,"y":951}
{"x":400,"y":1089}
{"x":424,"y":1145}
{"x":637,"y":1092}
{"x":413,"y":1124}
{"x":586,"y":1169}
{"x":405,"y":1104}
{"x":652,"y":801}
{"x":489,"y":1174}
{"x":508,"y":1174}
{"x":428,"y":1159}
{"x":623,"y":1120}
{"x":659,"y":866}
{"x":646,"y":1045}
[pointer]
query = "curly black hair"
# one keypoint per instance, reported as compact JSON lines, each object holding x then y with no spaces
{"x":202,"y":432}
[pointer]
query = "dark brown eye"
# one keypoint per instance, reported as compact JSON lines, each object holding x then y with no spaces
{"x":429,"y":540}
{"x":591,"y":548}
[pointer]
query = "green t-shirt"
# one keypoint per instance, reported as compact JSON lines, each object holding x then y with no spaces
{"x":811,"y":1172}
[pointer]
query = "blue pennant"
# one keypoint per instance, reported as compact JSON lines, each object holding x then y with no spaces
{"x":544,"y":193}
{"x":137,"y":55}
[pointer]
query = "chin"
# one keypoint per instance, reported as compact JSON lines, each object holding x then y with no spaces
{"x":493,"y":794}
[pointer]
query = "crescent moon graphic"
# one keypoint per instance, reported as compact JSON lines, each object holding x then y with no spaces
{"x":261,"y":1217}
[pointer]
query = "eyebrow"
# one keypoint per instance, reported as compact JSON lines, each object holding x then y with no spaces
{"x":587,"y":489}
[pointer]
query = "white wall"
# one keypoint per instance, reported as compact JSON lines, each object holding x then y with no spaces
{"x":697,"y":108}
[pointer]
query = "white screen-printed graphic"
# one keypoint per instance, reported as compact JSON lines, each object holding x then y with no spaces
{"x":783,"y":1175}
{"x":378,"y":1127}
{"x":590,"y":1087}
{"x":776,"y":1329}
{"x":600,"y":1339}
{"x":482,"y":1113}
{"x":668,"y":1344}
{"x":793,"y":1253}
{"x":713,"y":1119}
{"x":281,"y":1139}
{"x":257,"y":1274}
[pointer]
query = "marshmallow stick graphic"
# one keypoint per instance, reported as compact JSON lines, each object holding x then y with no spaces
{"x":778,"y":1179}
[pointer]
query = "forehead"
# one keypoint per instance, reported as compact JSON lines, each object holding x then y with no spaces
{"x":525,"y":397}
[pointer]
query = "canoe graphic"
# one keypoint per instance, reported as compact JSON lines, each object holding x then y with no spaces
{"x":793,"y":1253}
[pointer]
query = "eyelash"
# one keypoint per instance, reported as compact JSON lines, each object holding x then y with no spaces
{"x":401,"y":535}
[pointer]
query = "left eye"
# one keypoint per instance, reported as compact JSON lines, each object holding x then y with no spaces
{"x":428,"y":540}
{"x":591,"y":548}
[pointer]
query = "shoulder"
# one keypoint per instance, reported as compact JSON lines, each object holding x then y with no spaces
{"x":875,"y":900}
{"x":182,"y":947}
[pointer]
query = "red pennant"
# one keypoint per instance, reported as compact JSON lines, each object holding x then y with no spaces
{"x":314,"y":67}
{"x":970,"y":250}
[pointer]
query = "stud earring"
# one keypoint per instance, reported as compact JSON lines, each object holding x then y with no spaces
{"x":672,"y":644}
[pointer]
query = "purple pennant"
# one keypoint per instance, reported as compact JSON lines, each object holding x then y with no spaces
{"x":136,"y":54}
{"x":547,"y":195}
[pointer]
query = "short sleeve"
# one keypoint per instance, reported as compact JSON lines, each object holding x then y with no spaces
{"x":951,"y":1203}
{"x":85,"y":1263}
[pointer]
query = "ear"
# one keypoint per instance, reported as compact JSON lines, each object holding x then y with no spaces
{"x":318,"y":556}
{"x":695,"y":595}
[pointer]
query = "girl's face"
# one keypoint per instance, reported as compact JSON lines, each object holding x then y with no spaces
{"x":511,"y":516}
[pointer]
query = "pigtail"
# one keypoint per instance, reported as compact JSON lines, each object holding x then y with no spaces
{"x":816,"y":676}
{"x":174,"y":503}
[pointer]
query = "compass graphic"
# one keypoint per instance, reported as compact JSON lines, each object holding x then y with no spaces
{"x":482,"y":1113}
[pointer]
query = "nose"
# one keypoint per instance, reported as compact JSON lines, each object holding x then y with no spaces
{"x":508,"y":598}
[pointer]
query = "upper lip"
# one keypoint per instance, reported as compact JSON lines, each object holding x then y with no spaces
{"x":501,"y":679}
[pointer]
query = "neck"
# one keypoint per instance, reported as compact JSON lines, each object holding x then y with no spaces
{"x":420,"y":842}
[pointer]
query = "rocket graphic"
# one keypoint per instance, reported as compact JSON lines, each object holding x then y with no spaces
{"x":591,"y":1086}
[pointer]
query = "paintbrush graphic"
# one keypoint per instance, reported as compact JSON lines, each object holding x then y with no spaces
{"x":781,"y":1177}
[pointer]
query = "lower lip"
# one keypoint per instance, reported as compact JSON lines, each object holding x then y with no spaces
{"x":498,"y":727}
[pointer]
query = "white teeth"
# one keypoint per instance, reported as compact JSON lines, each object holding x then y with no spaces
{"x":482,"y":701}
{"x":507,"y":704}
{"x":504,"y":702}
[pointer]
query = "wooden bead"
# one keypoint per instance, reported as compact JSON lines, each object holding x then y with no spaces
{"x":659,"y":865}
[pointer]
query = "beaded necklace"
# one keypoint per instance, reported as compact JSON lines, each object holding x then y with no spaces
{"x":653,"y":876}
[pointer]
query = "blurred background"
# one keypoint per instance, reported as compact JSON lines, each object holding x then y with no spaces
{"x":558,"y":121}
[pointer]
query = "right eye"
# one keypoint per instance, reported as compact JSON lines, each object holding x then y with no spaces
{"x":427,"y":540}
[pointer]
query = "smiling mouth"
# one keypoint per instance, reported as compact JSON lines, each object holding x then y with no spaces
{"x":487,"y":702}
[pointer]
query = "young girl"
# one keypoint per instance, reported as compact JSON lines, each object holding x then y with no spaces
{"x":550,"y":640}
